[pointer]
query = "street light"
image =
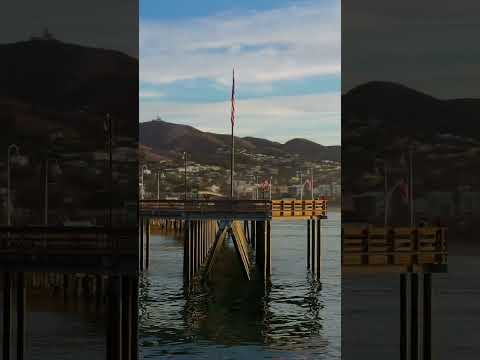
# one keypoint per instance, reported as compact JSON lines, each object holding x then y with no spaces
{"x":270,"y":186}
{"x":46,"y":187}
{"x":17,"y":151}
{"x":255,"y":177}
{"x":145,"y":170}
{"x":300,"y":173}
{"x":185,"y":174}
{"x":158,"y":183}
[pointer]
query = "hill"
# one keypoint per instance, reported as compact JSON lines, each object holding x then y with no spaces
{"x":380,"y":120}
{"x":167,"y":138}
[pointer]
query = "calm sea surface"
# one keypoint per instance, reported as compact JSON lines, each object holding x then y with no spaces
{"x":293,"y":318}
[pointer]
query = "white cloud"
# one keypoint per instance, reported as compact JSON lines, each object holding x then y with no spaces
{"x":281,"y":44}
{"x":315,"y":117}
{"x":148,"y":94}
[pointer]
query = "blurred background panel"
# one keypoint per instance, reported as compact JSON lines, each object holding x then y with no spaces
{"x":68,"y":177}
{"x":409,"y":171}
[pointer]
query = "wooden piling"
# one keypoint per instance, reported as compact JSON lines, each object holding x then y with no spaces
{"x":147,"y":244}
{"x":269,"y":249}
{"x":403,"y":317}
{"x":20,"y":315}
{"x":141,"y":244}
{"x":253,"y":229}
{"x":308,"y":244}
{"x":186,"y":252}
{"x":313,"y":234}
{"x":319,"y":248}
{"x":134,"y":315}
{"x":427,"y":316}
{"x":7,"y":313}
{"x":260,"y":248}
{"x":414,"y":316}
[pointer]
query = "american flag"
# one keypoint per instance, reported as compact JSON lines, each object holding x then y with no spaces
{"x":265,"y":184}
{"x":404,"y":190}
{"x":232,"y":116}
{"x":308,"y":184}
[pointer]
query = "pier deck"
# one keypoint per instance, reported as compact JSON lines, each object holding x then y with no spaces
{"x":234,"y":209}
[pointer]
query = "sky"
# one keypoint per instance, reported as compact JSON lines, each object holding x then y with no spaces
{"x":425,"y":45}
{"x":109,"y":24}
{"x":286,"y":56}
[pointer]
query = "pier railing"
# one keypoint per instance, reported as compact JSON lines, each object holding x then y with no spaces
{"x":74,"y":240}
{"x":263,"y":209}
{"x":299,"y":208}
{"x":205,"y":208}
{"x":394,"y":249}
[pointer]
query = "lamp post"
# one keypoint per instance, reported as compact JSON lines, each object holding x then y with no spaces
{"x":255,"y":193}
{"x":46,"y":188}
{"x":311,"y":180}
{"x":143,"y":170}
{"x":158,"y":182}
{"x":299,"y":173}
{"x":109,"y":134}
{"x":17,"y":151}
{"x":185,"y":175}
{"x":270,"y":187}
{"x":410,"y":195}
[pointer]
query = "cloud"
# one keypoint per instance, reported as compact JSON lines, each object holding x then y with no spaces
{"x":281,"y":44}
{"x":426,"y":45}
{"x":150,"y":94}
{"x":315,"y":117}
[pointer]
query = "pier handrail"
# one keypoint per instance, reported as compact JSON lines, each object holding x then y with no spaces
{"x":269,"y":208}
{"x":369,"y":245}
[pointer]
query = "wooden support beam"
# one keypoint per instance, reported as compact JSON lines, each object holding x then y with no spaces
{"x":141,"y":244}
{"x":313,"y":253}
{"x":269,"y":249}
{"x":308,"y":243}
{"x":134,"y":312}
{"x":253,"y":229}
{"x":127,"y":317}
{"x":414,"y":316}
{"x":427,"y":316}
{"x":191,"y":241}
{"x":186,"y":252}
{"x":260,"y":247}
{"x":319,"y":248}
{"x":403,"y":317}
{"x":239,"y":247}
{"x":20,"y":309}
{"x":147,"y":244}
{"x":113,"y":328}
{"x":219,"y":239}
{"x":7,"y":315}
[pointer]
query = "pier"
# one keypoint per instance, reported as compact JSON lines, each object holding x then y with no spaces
{"x":97,"y":260}
{"x":414,"y":253}
{"x":207,"y":223}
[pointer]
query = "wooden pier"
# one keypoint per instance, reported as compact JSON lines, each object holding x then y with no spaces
{"x":414,"y":253}
{"x":207,"y":223}
{"x":101,"y":258}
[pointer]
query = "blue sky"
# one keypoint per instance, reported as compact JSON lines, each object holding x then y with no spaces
{"x":286,"y":56}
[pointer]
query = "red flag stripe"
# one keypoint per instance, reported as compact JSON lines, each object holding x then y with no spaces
{"x":232,"y":115}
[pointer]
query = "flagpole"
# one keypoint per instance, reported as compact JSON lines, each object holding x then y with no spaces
{"x":385,"y":200}
{"x":233,"y":139}
{"x":412,"y":219}
{"x":311,"y":180}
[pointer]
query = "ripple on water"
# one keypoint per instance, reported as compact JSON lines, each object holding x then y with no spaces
{"x":294,"y":318}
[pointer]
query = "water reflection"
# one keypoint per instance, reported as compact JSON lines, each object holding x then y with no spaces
{"x":291,"y":317}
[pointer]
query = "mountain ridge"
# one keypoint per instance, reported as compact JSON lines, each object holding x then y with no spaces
{"x":165,"y":137}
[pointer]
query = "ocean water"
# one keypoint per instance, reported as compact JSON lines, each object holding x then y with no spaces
{"x":294,"y":317}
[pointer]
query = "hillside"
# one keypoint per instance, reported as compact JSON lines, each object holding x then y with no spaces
{"x":168,"y":138}
{"x":380,"y":120}
{"x":54,"y":98}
